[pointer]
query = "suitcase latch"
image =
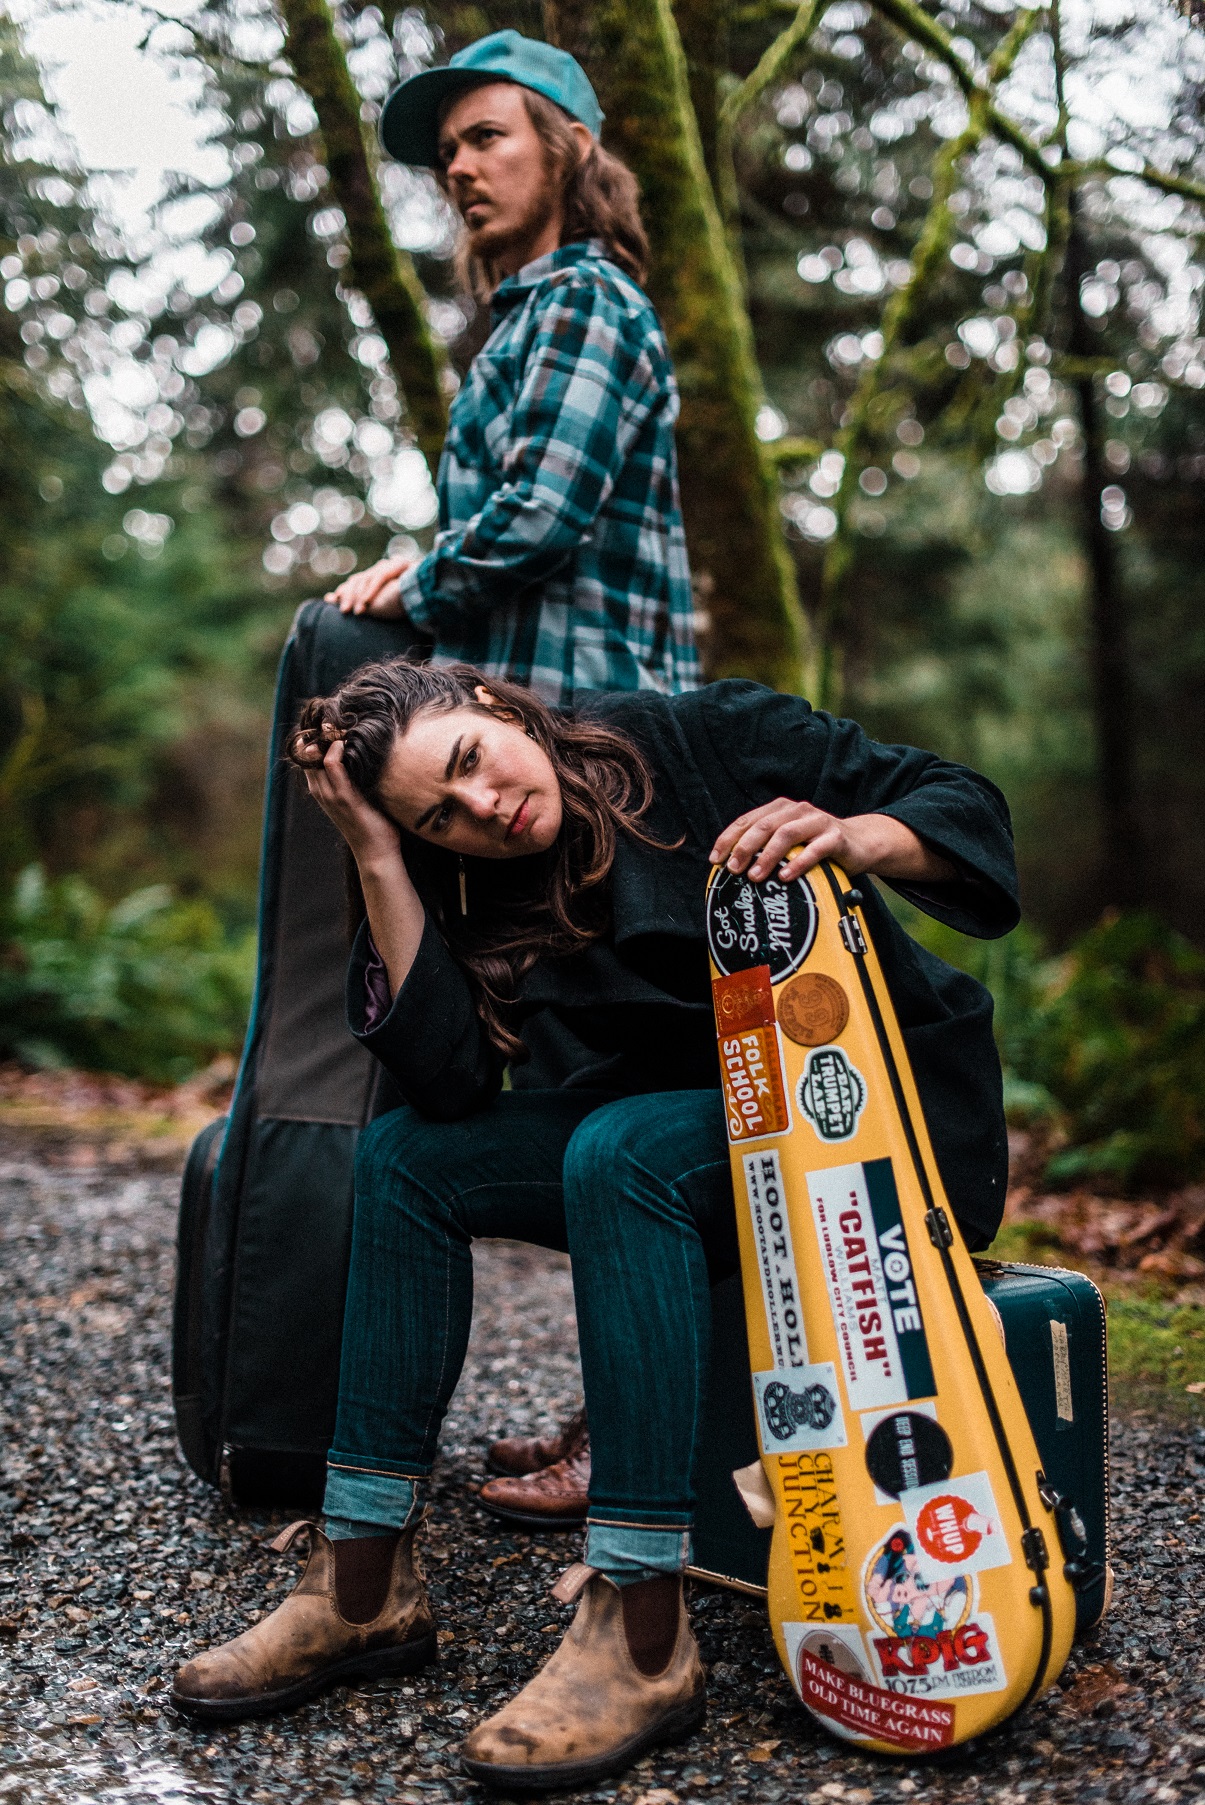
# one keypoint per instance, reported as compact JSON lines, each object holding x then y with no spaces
{"x":938,"y":1225}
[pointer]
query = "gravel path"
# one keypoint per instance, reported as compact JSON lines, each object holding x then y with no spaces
{"x":115,"y":1563}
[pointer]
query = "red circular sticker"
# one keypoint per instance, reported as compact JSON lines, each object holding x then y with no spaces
{"x":950,"y":1529}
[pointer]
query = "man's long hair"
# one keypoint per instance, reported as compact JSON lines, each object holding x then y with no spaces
{"x":550,"y":903}
{"x":600,"y":198}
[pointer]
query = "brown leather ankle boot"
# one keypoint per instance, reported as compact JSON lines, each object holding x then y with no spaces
{"x":557,"y":1497}
{"x":626,"y":1677}
{"x":516,"y":1455}
{"x":360,"y":1609}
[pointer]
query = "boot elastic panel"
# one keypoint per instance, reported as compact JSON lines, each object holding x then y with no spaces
{"x":651,"y":1611}
{"x":363,"y":1571}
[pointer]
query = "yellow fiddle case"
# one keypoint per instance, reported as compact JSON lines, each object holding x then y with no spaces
{"x":916,"y":1590}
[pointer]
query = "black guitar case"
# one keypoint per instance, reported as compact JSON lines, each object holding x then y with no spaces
{"x":265,"y":1216}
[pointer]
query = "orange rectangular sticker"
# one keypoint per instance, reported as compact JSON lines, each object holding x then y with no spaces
{"x":754,"y":1098}
{"x":743,"y":1000}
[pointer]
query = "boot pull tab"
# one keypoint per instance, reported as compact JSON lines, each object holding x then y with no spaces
{"x":573,"y":1581}
{"x":288,"y":1536}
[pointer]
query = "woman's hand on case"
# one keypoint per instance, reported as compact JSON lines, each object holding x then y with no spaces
{"x":788,"y":838}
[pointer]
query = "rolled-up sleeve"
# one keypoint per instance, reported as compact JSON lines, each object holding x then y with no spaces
{"x":430,"y":1039}
{"x":588,"y":383}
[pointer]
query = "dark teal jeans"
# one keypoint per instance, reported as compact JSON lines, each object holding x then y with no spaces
{"x":638,"y":1192}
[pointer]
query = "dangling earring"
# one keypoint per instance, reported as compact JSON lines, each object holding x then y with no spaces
{"x":464,"y":889}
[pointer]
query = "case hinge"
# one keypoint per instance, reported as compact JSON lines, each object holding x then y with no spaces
{"x":938,"y":1225}
{"x":851,"y":933}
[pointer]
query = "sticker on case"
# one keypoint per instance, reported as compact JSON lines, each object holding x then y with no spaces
{"x":882,"y":1348}
{"x":755,"y":1097}
{"x":956,"y":1527}
{"x":775,"y":1257}
{"x":816,"y":1539}
{"x":799,"y":1409}
{"x":813,"y":1009}
{"x":854,"y":1708}
{"x":832,"y":1094}
{"x":771,"y":923}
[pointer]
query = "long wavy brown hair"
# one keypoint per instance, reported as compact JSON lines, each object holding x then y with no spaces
{"x":600,"y":197}
{"x":550,"y":903}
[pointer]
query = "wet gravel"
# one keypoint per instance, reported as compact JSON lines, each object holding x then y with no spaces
{"x":116,"y":1563}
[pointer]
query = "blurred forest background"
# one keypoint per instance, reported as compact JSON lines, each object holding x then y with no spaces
{"x":932,"y":277}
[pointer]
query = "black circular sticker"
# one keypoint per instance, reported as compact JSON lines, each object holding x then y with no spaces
{"x":906,"y":1450}
{"x":770,"y":923}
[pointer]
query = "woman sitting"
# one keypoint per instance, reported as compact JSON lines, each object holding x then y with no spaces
{"x":537,"y":878}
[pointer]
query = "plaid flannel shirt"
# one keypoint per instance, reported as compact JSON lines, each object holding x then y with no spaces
{"x":560,"y":559}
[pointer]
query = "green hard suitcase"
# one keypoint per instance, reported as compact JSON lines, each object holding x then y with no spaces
{"x":1054,"y":1330}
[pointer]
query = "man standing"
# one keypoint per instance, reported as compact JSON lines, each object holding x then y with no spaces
{"x":560,"y":559}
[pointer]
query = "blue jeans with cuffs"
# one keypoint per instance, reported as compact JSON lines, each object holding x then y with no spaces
{"x":638,"y":1191}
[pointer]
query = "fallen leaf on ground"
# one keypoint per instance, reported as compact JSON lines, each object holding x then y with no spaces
{"x":762,"y":1751}
{"x":1093,"y":1685}
{"x":1197,"y":1387}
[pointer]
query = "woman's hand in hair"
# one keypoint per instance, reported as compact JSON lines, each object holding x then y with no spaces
{"x":375,"y":591}
{"x":395,"y":913}
{"x":790,"y":838}
{"x":371,"y":835}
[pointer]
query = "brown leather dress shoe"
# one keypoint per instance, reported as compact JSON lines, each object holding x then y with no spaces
{"x":626,"y":1677}
{"x":557,"y":1497}
{"x":355,"y":1613}
{"x":515,"y":1455}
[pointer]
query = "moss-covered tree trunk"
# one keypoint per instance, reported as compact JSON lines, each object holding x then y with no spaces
{"x":734,"y":530}
{"x":383,"y":274}
{"x":703,"y":28}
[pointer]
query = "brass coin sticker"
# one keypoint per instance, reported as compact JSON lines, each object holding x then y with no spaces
{"x":813,"y":1009}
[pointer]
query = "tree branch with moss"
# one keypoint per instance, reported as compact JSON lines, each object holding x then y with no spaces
{"x":384,"y":274}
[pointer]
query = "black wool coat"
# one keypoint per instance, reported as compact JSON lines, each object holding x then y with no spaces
{"x":633,"y":1012}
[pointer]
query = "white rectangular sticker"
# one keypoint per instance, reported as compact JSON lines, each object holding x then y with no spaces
{"x":799,"y":1408}
{"x":942,"y":1663}
{"x":955,"y":1527}
{"x":869,"y":1352}
{"x":1061,"y":1353}
{"x":775,"y":1259}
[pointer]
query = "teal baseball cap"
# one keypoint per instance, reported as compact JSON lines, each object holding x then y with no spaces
{"x":410,"y":117}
